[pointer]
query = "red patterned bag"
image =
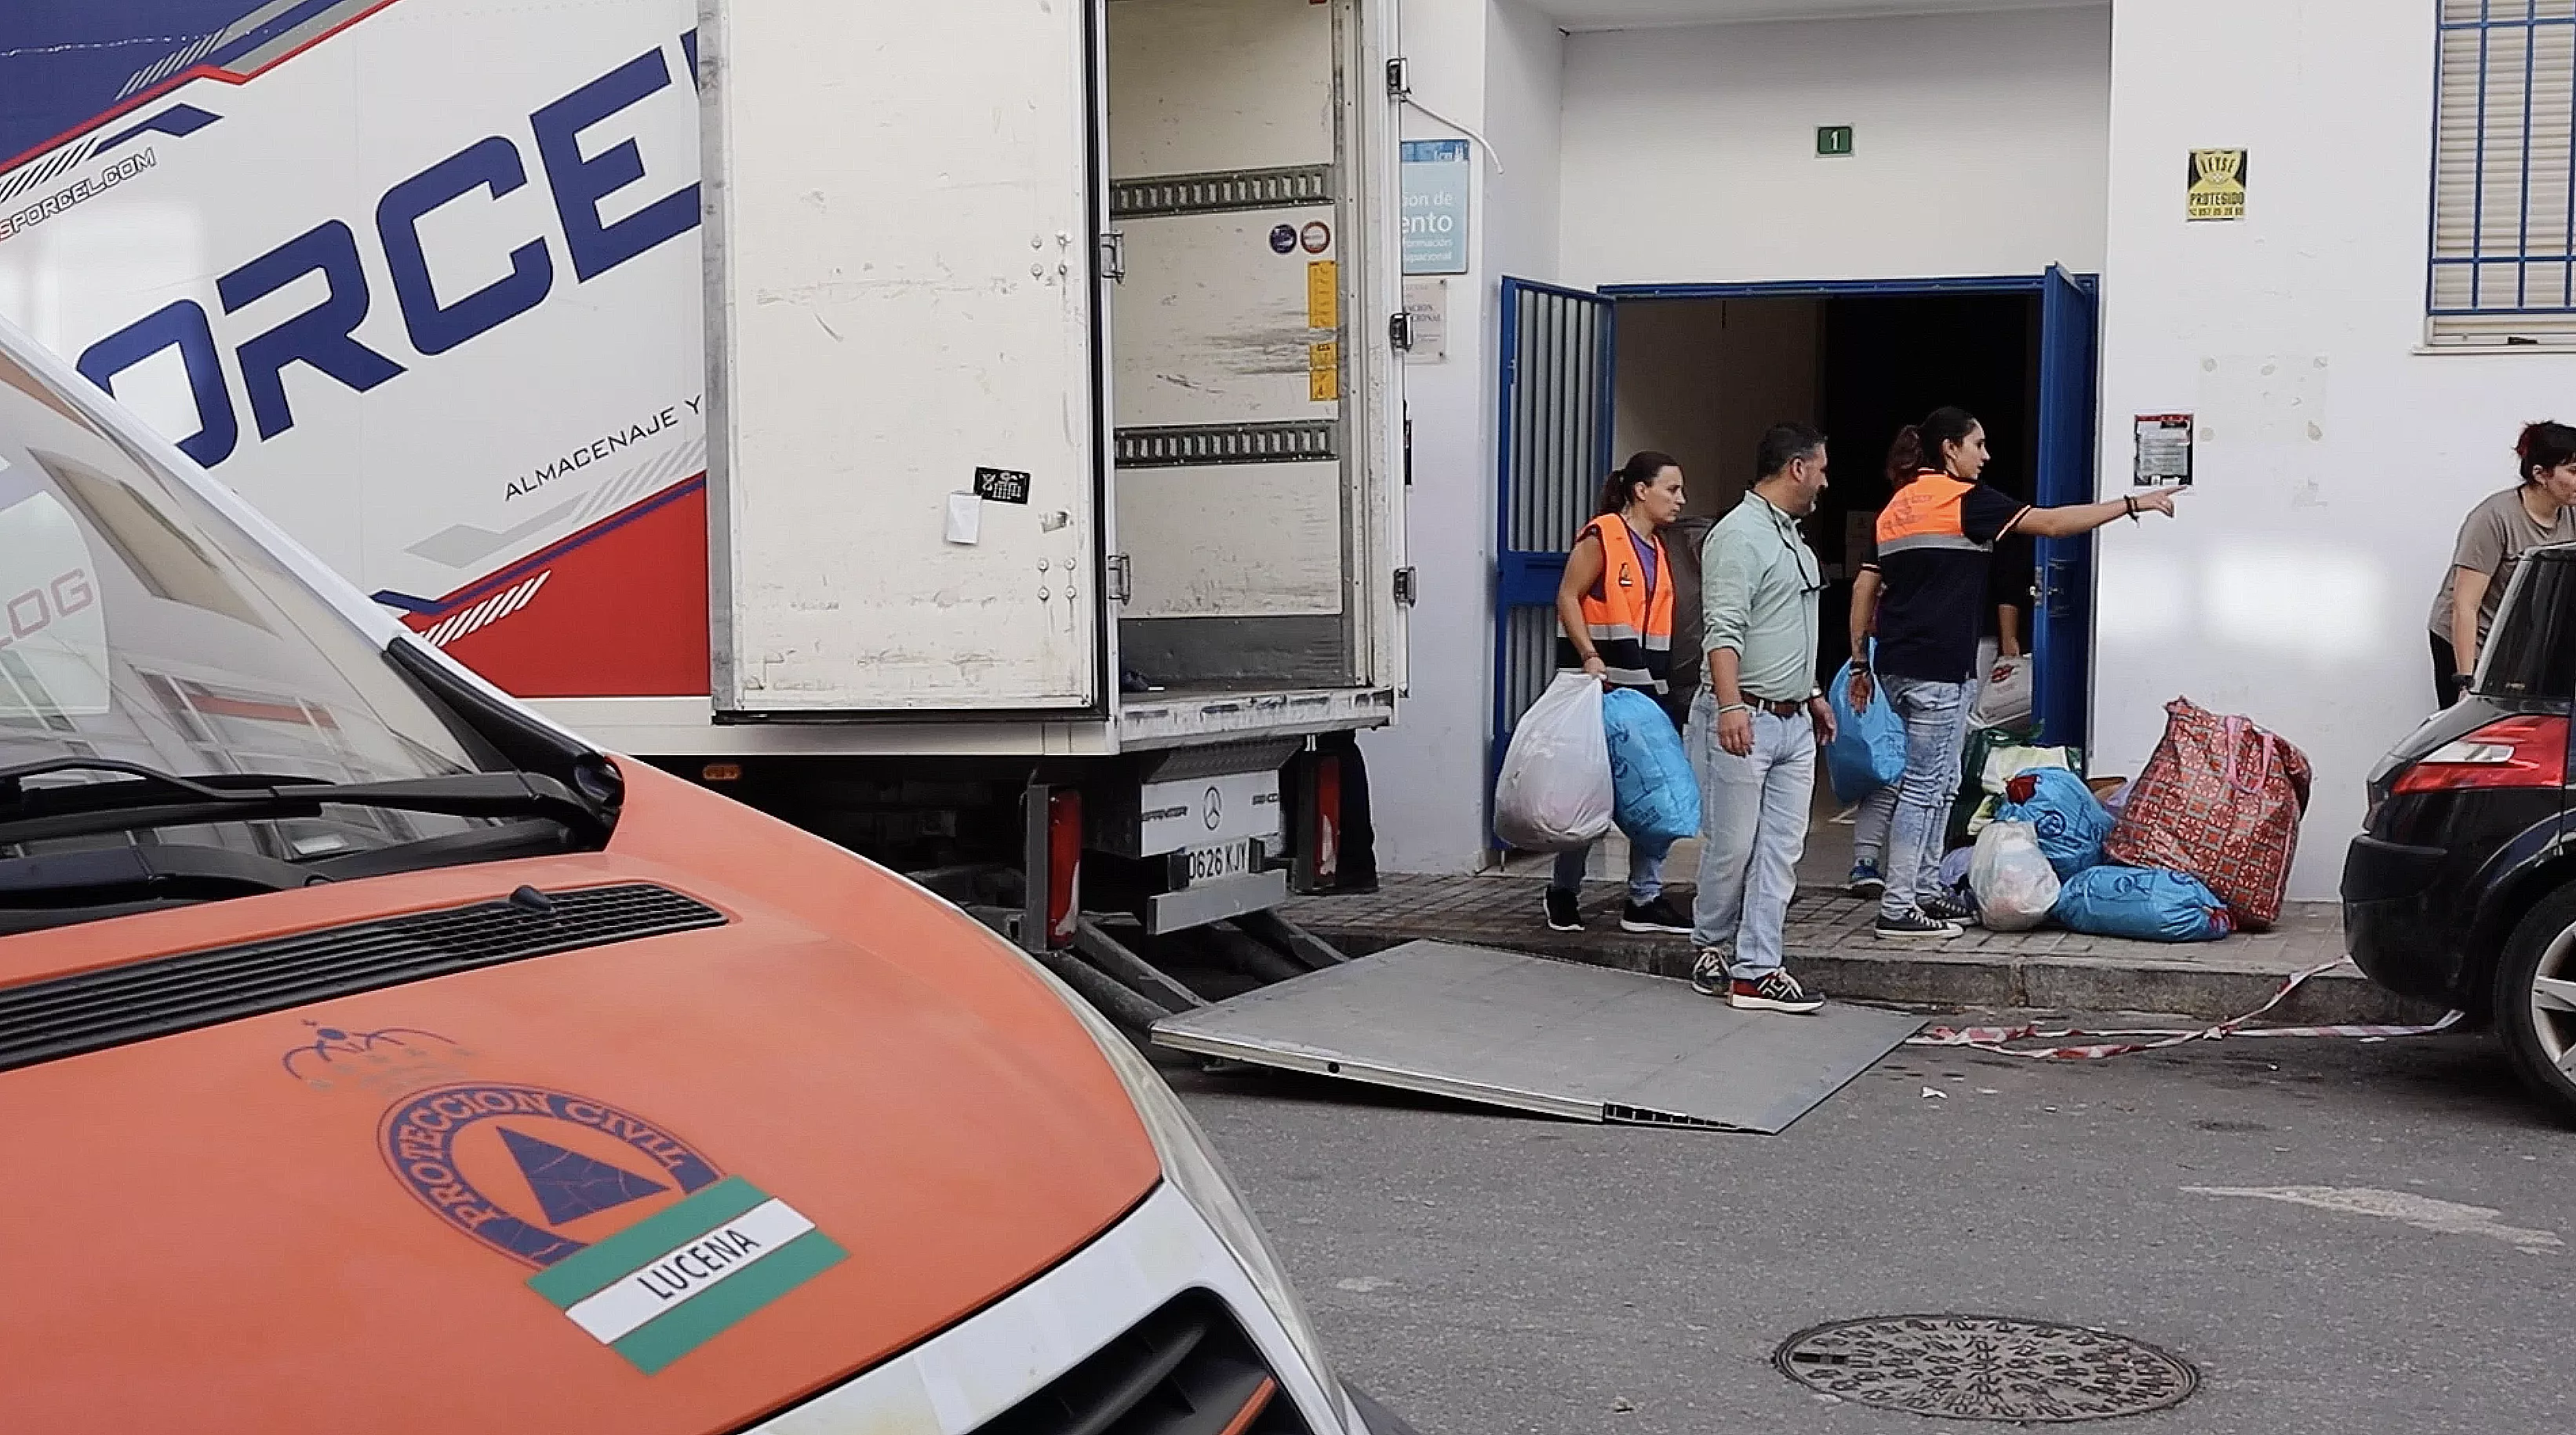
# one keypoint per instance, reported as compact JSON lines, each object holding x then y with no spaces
{"x":2220,"y":800}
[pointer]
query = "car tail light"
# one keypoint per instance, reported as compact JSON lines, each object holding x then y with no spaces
{"x":2515,"y":752}
{"x":1324,"y":849}
{"x":1064,"y":866}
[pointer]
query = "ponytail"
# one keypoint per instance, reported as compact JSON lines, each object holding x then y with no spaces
{"x":1932,"y":438}
{"x":1904,"y":457}
{"x":1620,"y":488}
{"x":2542,"y":447}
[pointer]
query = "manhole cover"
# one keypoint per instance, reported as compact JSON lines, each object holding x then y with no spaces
{"x":1981,"y":1367}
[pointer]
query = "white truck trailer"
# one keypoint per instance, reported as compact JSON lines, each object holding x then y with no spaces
{"x":970,"y":431}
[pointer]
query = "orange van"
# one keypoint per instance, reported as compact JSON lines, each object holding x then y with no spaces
{"x":376,"y":1056}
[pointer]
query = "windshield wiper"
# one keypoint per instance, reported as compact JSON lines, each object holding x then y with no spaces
{"x":148,"y":797}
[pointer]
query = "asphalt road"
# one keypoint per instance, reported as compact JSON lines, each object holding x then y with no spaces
{"x":1487,"y":1273}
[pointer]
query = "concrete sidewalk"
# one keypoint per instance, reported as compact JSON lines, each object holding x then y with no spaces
{"x":1831,"y":948}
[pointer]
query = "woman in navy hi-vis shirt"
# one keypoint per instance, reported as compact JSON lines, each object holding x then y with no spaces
{"x":1936,"y":541}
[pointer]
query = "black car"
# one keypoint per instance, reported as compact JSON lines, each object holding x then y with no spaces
{"x":2462,"y":887}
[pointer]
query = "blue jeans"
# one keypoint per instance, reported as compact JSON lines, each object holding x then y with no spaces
{"x":1645,"y":873}
{"x":1753,"y":814}
{"x":1877,"y":812}
{"x":1936,"y":728}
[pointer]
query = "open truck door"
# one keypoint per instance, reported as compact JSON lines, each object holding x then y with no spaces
{"x":913,"y":368}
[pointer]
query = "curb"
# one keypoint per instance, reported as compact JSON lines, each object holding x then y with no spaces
{"x":1983,"y":981}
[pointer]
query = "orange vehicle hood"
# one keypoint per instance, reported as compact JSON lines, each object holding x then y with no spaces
{"x":223,"y":1230}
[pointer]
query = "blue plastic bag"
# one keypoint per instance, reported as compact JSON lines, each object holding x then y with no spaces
{"x":2071,"y":822}
{"x":2145,"y":904}
{"x":1654,"y":797}
{"x":1868,"y":750}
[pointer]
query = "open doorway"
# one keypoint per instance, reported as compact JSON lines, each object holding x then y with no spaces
{"x":1700,"y":378}
{"x":1698,"y":371}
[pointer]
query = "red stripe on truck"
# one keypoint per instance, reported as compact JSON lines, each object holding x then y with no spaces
{"x":622,"y":611}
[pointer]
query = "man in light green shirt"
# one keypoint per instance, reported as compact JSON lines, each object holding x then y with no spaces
{"x":1756,"y":724}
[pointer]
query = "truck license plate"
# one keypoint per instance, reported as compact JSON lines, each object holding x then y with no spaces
{"x":1214,"y":864}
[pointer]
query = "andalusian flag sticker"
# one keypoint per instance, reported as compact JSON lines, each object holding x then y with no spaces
{"x":665,"y":1286}
{"x":635,"y":1234}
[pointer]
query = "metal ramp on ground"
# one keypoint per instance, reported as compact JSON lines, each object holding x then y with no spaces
{"x":1533,"y":1034}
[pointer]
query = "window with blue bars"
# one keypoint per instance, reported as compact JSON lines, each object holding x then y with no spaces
{"x":2503,"y":267}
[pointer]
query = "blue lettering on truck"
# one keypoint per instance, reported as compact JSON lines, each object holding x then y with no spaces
{"x":323,"y":337}
{"x":491,"y":165}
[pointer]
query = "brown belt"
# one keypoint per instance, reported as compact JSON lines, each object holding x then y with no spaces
{"x":1780,"y":710}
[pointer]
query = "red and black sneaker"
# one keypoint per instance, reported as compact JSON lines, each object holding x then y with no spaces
{"x":1772,"y":991}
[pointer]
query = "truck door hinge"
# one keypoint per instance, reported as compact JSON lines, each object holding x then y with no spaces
{"x":1399,"y":331}
{"x":1404,"y":587}
{"x":1113,"y":256}
{"x":1116,"y":580}
{"x":1399,"y":79}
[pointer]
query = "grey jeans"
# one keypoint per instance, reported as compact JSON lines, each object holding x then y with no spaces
{"x":1753,"y":813}
{"x":1936,"y":729}
{"x":1877,"y":812}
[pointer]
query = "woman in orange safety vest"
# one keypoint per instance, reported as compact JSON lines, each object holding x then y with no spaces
{"x":1615,"y":604}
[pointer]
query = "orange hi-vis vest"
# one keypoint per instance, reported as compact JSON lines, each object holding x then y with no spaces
{"x":1628,"y":615}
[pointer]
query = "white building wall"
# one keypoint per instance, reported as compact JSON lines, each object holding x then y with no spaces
{"x":1492,"y":65}
{"x":2295,"y":587}
{"x":1689,"y":153}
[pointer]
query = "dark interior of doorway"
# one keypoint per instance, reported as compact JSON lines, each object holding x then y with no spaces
{"x":1701,"y":377}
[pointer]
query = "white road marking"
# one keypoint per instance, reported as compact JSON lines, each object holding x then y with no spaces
{"x":2424,"y":1213}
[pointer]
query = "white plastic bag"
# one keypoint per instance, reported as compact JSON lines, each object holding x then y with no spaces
{"x":2016,"y":888}
{"x":2005,"y":701}
{"x":1554,"y":793}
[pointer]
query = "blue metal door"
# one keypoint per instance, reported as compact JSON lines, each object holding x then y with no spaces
{"x":1553,"y":448}
{"x":2062,"y":650}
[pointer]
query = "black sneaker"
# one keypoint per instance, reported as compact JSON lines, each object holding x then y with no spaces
{"x":1914,"y":927}
{"x":1708,"y":974}
{"x":1658,"y":915}
{"x":1773,"y":991}
{"x":1562,"y":913}
{"x":1950,"y":910}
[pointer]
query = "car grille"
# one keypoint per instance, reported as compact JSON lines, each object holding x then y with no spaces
{"x":89,"y":1011}
{"x":1187,"y":1369}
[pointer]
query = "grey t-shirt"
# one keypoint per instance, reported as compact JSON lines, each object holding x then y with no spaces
{"x":2493,"y":539}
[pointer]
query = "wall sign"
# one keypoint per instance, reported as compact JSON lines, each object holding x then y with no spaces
{"x":1833,"y":141}
{"x":2164,"y":451}
{"x":1426,"y":306}
{"x":1437,"y":176}
{"x":2214,"y":185}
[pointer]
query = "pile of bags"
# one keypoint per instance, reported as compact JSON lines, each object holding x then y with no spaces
{"x":1582,"y":759}
{"x":2200,"y":846}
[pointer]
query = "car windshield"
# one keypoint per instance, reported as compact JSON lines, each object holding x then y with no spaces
{"x":139,"y":625}
{"x":2531,"y":654}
